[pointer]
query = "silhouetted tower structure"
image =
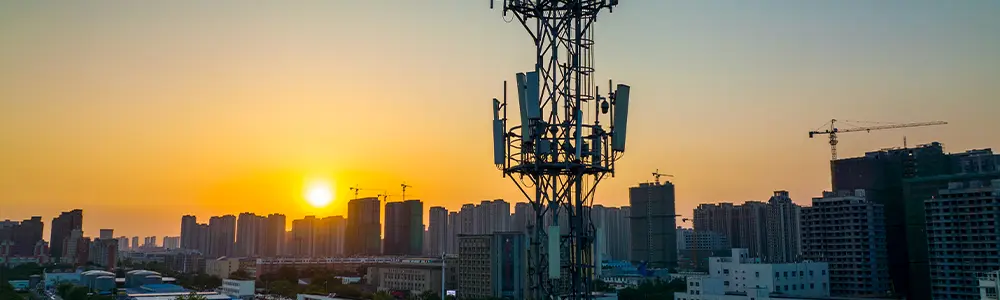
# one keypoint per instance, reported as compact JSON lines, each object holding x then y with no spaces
{"x":557,"y":155}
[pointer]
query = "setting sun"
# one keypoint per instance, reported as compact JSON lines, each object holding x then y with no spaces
{"x":319,"y":194}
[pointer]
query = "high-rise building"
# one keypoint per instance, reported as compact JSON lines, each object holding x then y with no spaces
{"x":106,"y":234}
{"x":123,"y":243}
{"x":75,"y":248}
{"x":221,"y":236}
{"x":437,"y":228}
{"x":886,"y":175}
{"x":404,"y":228}
{"x":467,"y":224}
{"x":847,"y":231}
{"x":454,"y":227}
{"x":149,"y":242}
{"x":327,"y":236}
{"x":620,"y":233}
{"x":881,"y":174}
{"x":654,"y":238}
{"x":694,"y":248}
{"x":62,"y":227}
{"x":303,"y":237}
{"x":249,"y":235}
{"x":104,"y":252}
{"x":493,"y":266}
{"x":783,"y":231}
{"x":172,"y":242}
{"x":524,"y":216}
{"x":274,"y":236}
{"x":135,"y":243}
{"x":21,"y":236}
{"x":364,"y":228}
{"x":744,"y":225}
{"x":962,"y":236}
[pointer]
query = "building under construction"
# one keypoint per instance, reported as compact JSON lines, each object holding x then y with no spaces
{"x":654,"y":234}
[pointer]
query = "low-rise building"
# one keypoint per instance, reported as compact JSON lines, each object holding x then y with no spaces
{"x":221,"y":267}
{"x":238,"y":289}
{"x":413,"y":279}
{"x":750,"y":278}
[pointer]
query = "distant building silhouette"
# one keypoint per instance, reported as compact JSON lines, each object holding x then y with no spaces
{"x":363,"y":227}
{"x":221,"y":235}
{"x":273,"y":242}
{"x":404,"y":228}
{"x":22,"y":236}
{"x":62,"y":227}
{"x":249,"y":235}
{"x":437,"y":228}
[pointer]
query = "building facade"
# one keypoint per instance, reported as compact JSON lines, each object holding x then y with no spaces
{"x":437,"y":228}
{"x":654,"y":238}
{"x":847,"y":231}
{"x":783,"y":229}
{"x":21,"y":236}
{"x":404,"y":228}
{"x":249,"y":234}
{"x":962,"y":223}
{"x":222,"y":236}
{"x":62,"y":227}
{"x":364,"y":228}
{"x":493,"y":265}
{"x":741,"y":274}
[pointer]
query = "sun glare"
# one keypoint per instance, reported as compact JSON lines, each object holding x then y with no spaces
{"x":319,"y":194}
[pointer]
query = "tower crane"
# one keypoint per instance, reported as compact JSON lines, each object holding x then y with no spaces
{"x":657,"y":174}
{"x":833,"y":131}
{"x":404,"y":185}
{"x":357,"y":189}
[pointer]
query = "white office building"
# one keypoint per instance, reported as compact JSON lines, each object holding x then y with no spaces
{"x":742,"y":277}
{"x":238,"y":289}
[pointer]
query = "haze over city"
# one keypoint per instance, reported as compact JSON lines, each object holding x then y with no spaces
{"x":141,"y":112}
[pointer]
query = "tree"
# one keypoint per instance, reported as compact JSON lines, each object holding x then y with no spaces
{"x":63,"y":289}
{"x":601,"y":286}
{"x":77,"y":293}
{"x":282,"y":287}
{"x":240,"y":275}
{"x":7,"y":291}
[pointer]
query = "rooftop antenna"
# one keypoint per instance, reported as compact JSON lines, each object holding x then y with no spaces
{"x":557,"y":155}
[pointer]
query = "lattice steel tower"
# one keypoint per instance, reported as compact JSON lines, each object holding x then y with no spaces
{"x":560,"y":150}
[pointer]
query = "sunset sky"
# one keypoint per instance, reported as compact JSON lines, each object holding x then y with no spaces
{"x":139,"y":112}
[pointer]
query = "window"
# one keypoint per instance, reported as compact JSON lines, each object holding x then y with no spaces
{"x":823,"y":272}
{"x":725,"y":283}
{"x":802,"y":286}
{"x":786,"y":288}
{"x":725,"y":271}
{"x":810,"y":272}
{"x":786,"y":274}
{"x":801,"y":273}
{"x":777,"y":274}
{"x":812,"y":286}
{"x":757,"y":274}
{"x":793,"y":287}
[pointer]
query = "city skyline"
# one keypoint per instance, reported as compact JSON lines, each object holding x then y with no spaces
{"x":248,"y":124}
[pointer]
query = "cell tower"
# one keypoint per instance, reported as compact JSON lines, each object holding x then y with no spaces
{"x":560,"y":150}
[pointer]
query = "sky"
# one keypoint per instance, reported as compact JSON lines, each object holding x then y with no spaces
{"x":140,"y":112}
